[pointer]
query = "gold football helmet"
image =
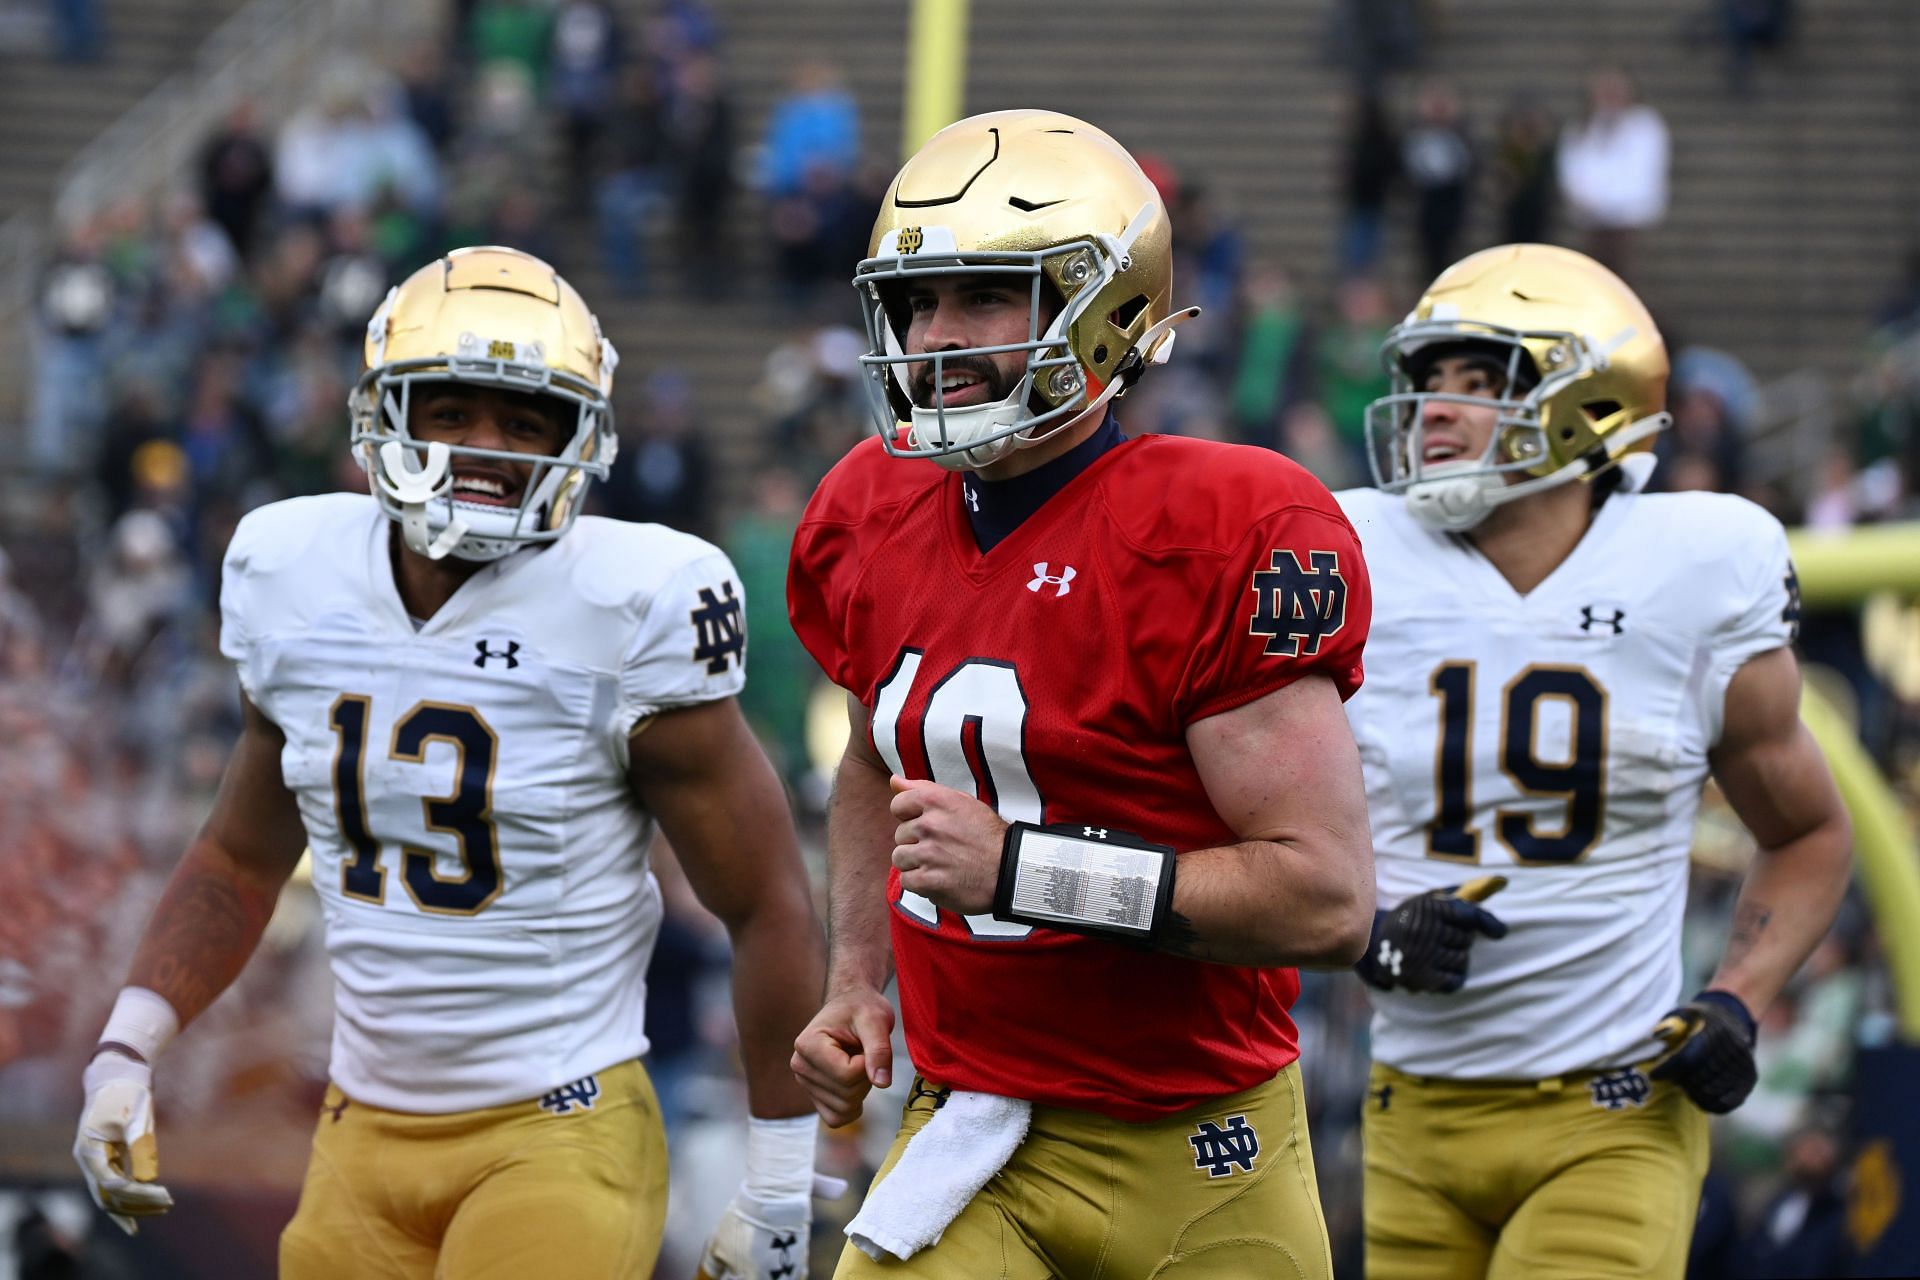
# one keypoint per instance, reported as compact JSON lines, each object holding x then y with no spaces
{"x":1586,"y":381}
{"x":495,"y":317}
{"x":1045,"y":199}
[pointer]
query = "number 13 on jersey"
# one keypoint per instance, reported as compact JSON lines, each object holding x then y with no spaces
{"x":466,"y":814}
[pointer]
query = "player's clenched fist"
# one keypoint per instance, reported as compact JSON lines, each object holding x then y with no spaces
{"x":846,"y":1050}
{"x":947,"y":846}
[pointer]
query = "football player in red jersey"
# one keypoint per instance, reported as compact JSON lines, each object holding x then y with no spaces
{"x":1100,"y":795}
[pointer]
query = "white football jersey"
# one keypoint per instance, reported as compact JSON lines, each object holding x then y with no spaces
{"x":481,"y":858}
{"x":1559,"y":739}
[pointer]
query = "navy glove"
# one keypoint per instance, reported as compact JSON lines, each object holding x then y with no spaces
{"x":1709,"y":1050}
{"x":1421,"y":945}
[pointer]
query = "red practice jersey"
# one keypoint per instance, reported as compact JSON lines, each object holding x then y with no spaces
{"x":1054,"y":677}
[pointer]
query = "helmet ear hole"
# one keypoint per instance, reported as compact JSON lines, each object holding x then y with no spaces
{"x":1600,"y":410}
{"x":1123,"y":316}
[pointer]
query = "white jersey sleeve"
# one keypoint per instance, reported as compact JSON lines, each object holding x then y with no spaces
{"x":690,"y":644}
{"x":260,"y":541}
{"x":1761,"y":610}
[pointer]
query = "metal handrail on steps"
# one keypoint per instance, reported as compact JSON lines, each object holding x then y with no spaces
{"x":269,"y":51}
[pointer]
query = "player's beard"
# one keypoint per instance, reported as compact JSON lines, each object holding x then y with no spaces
{"x":999,"y":383}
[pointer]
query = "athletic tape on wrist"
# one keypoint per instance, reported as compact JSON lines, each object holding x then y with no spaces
{"x":780,"y":1158}
{"x":141,"y":1020}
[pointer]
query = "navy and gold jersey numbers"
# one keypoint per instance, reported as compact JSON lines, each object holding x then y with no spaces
{"x":466,"y":814}
{"x":718,"y":636}
{"x":1296,"y":605}
{"x":1578,"y":774}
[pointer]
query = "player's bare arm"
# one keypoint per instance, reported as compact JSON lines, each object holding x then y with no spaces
{"x":1777,"y":782}
{"x":1282,"y":771}
{"x":222,"y":894}
{"x":847,"y":1048}
{"x":702,"y":773}
{"x":1774,"y":776}
{"x":208,"y":922}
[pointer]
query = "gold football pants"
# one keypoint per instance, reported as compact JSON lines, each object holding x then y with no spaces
{"x":572,"y":1185}
{"x":1223,"y":1190}
{"x":1584,"y":1177}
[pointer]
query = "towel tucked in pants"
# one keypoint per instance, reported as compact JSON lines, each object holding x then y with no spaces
{"x":1225,"y":1189}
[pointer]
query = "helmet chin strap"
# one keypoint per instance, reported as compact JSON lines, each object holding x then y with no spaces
{"x":412,"y":487}
{"x":1455,"y":504}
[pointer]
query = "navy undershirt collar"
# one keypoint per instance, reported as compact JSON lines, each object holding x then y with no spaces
{"x":995,"y":508}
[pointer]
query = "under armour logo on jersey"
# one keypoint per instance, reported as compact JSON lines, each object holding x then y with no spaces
{"x":1219,"y":1151}
{"x":972,"y":496}
{"x":1296,"y":607}
{"x":513,"y":647}
{"x":580,"y":1094}
{"x":1094,"y":833}
{"x":1062,"y":581}
{"x":1791,"y":614}
{"x":1591,"y":618}
{"x":717,"y":624}
{"x":1618,"y":1090}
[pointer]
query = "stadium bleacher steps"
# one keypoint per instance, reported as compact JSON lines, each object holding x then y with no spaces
{"x":49,"y":110}
{"x":1792,"y":208}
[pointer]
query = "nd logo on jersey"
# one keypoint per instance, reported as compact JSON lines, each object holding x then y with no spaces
{"x":1296,"y":607}
{"x":717,"y":624}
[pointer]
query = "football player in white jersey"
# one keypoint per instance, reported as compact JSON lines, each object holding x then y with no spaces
{"x":474,"y":706}
{"x":1558,"y":662}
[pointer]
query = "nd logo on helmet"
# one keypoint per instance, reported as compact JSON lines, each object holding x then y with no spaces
{"x":911,"y":238}
{"x":501,"y":350}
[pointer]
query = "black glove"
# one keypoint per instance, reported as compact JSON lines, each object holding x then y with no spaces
{"x":1421,"y":945}
{"x":1710,"y":1050}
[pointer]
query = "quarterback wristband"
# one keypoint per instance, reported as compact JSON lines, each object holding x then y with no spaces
{"x":780,"y":1158}
{"x":142,"y":1021}
{"x":1084,"y":879}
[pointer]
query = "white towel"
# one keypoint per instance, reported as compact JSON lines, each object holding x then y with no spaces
{"x":965,"y":1143}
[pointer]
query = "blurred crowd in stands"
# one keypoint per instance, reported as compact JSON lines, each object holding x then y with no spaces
{"x":192,"y":358}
